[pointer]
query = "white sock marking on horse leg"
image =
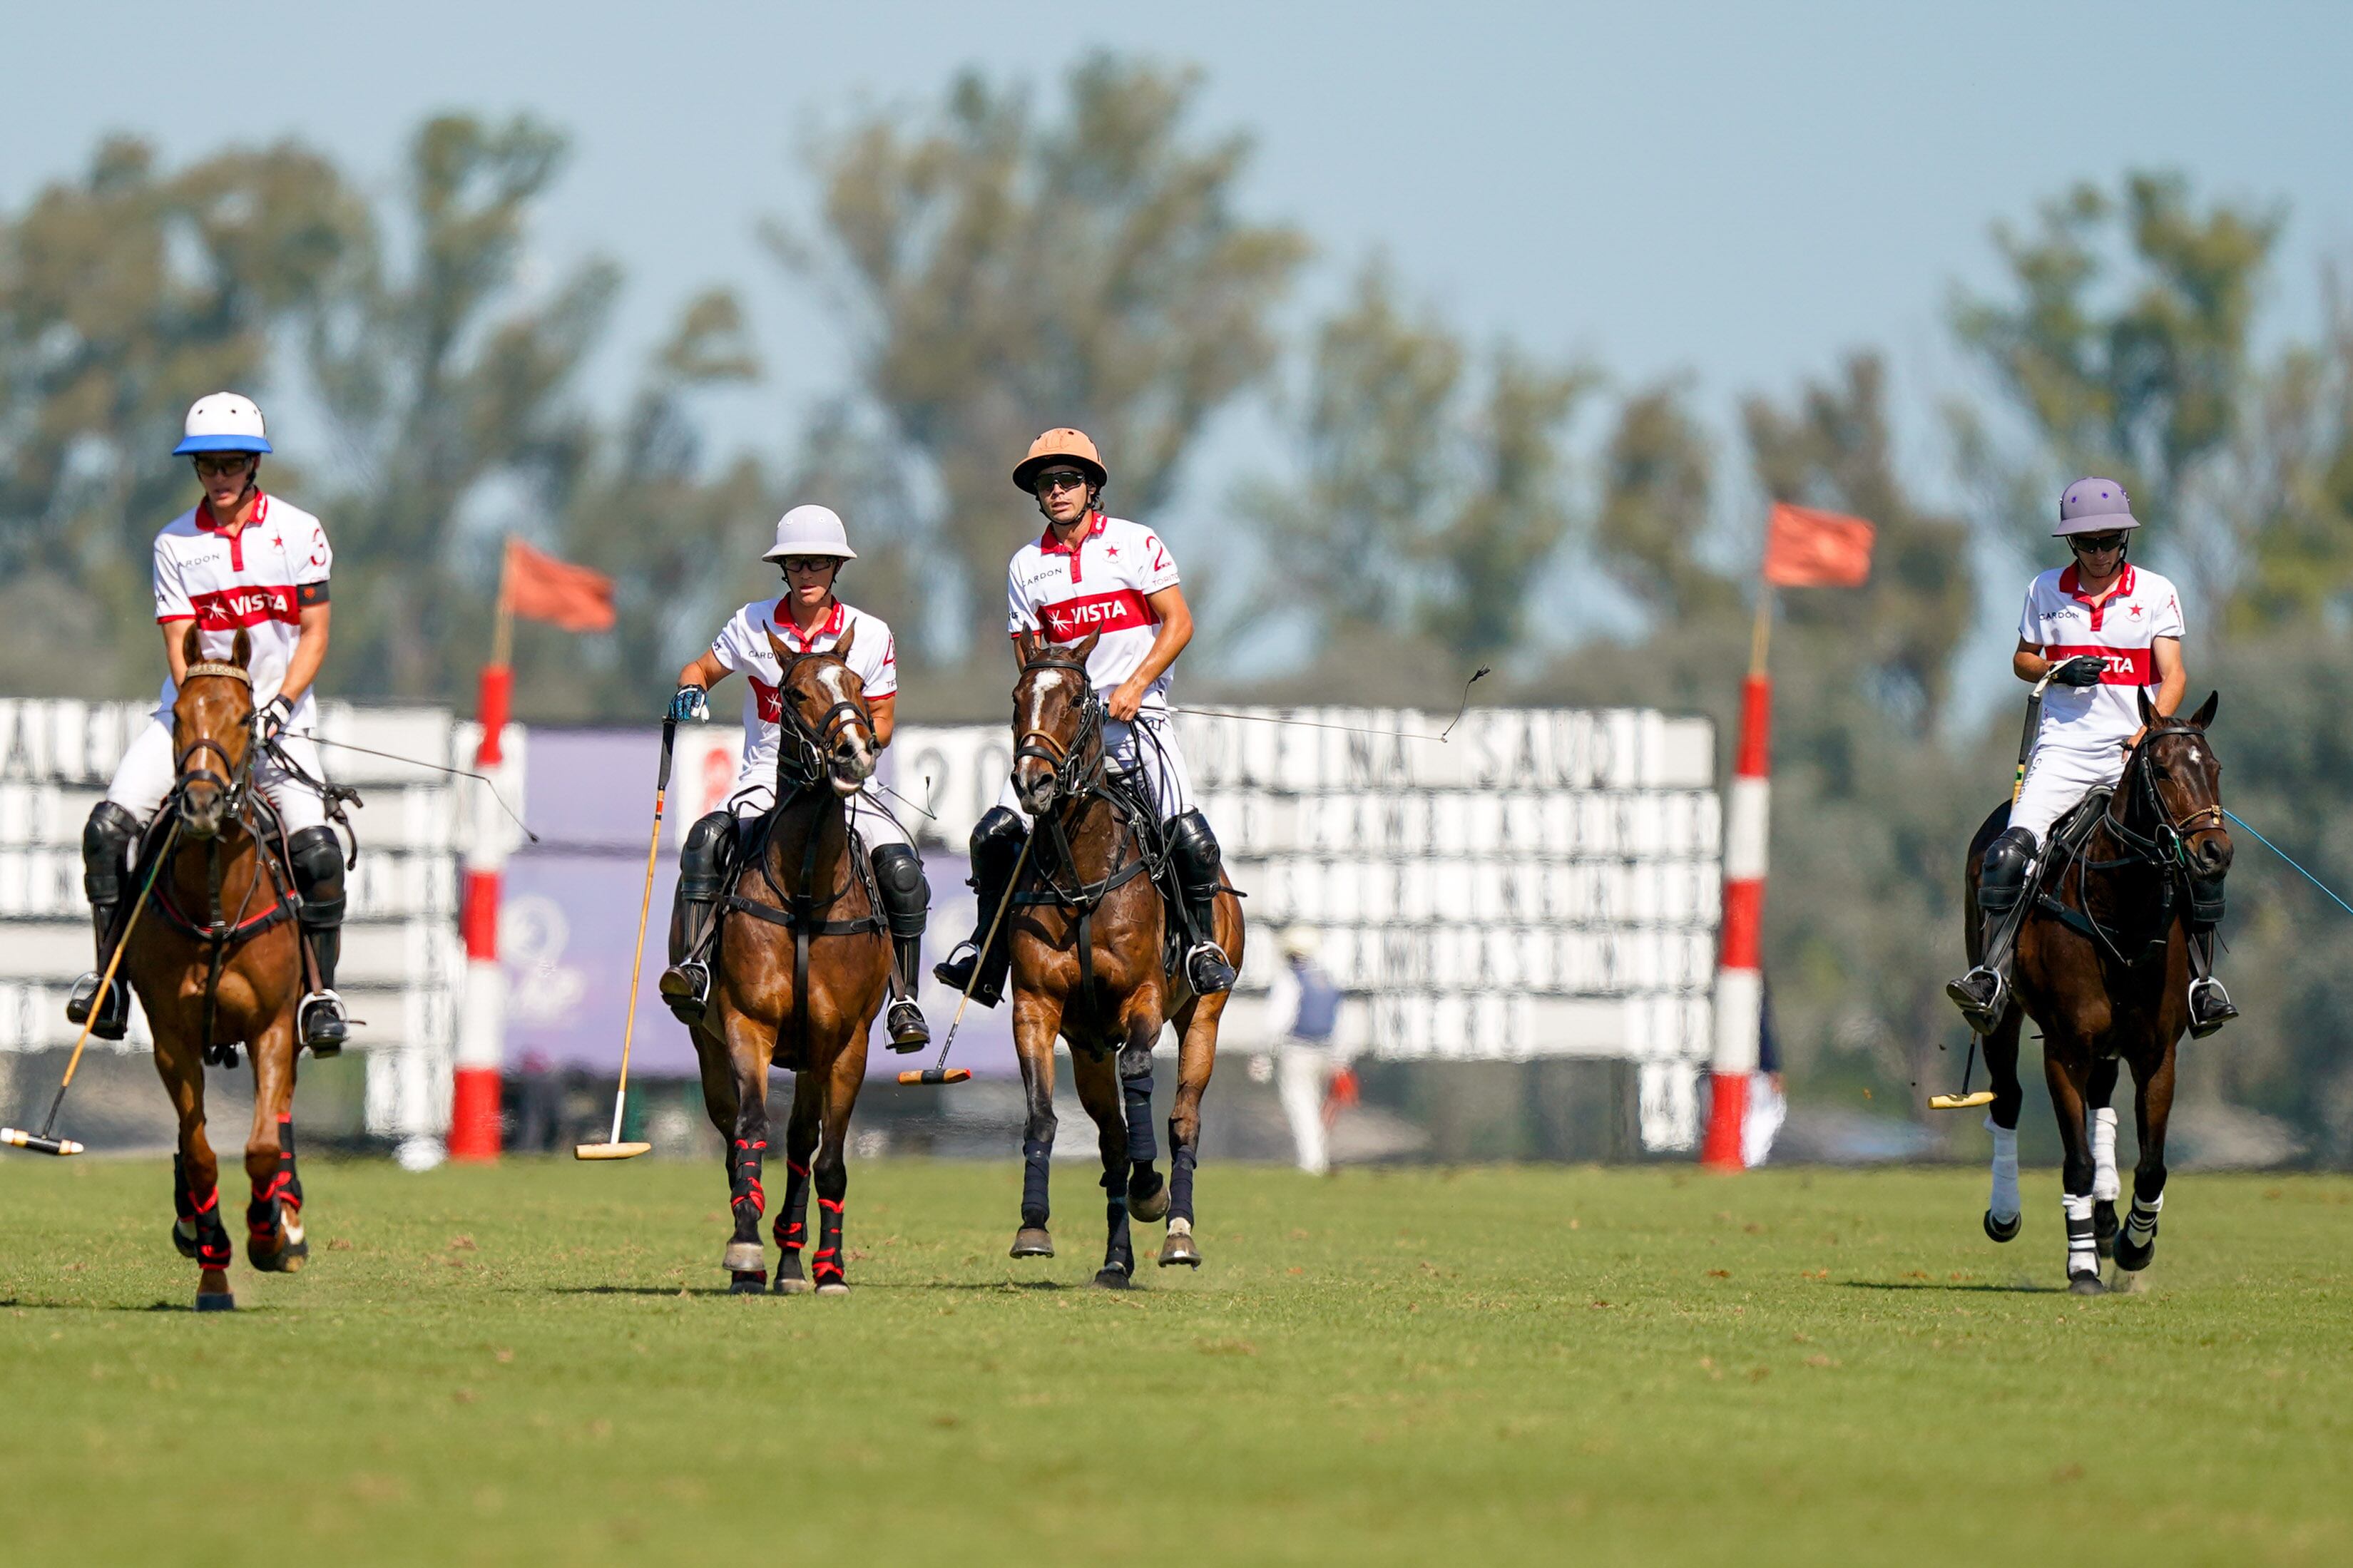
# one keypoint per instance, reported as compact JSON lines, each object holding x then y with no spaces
{"x":2105,"y":1184}
{"x":2082,"y":1251}
{"x":2003,"y":1205}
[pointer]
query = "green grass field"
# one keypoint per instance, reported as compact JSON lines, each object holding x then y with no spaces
{"x":535,"y":1363}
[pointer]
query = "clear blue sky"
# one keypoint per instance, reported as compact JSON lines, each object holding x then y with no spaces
{"x":1738,"y":191}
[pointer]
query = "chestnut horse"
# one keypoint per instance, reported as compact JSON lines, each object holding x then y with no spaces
{"x":219,"y":961}
{"x":2103,"y":964}
{"x":800,"y":966}
{"x":1092,"y":963}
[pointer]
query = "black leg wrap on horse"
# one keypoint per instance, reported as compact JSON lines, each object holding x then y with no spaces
{"x":745,"y":1196}
{"x":792,"y":1220}
{"x":1137,"y":1095}
{"x":1182,"y":1158}
{"x":1037,"y":1155}
{"x":825,"y":1264}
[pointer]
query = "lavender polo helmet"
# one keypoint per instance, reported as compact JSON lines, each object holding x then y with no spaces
{"x":2093,"y":506}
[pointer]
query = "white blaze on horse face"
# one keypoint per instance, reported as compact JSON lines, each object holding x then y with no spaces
{"x":1033,"y":722}
{"x":834,"y":682}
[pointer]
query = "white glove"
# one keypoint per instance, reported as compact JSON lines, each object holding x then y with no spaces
{"x":271,"y":718}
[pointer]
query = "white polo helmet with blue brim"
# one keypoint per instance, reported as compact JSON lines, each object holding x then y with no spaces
{"x":223,"y":422}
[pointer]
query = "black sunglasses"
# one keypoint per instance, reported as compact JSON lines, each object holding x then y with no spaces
{"x":2096,"y":543}
{"x":1060,"y":480}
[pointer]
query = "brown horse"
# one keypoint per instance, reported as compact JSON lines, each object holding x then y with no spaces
{"x":219,"y":961}
{"x":1091,"y":962}
{"x":2103,"y":964}
{"x":800,"y":967}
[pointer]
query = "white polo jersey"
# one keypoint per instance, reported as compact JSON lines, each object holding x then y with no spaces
{"x":1101,"y":584}
{"x":743,"y":645}
{"x":2121,"y":631}
{"x":256,"y":581}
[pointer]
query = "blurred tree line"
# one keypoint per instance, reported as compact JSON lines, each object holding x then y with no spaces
{"x":1000,"y":262}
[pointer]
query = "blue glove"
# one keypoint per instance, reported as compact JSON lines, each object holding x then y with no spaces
{"x":690,"y":702}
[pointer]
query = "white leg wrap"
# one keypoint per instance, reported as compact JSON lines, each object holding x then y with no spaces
{"x":2104,"y":1186}
{"x":2140,"y":1224}
{"x":2082,"y":1251}
{"x":2003,"y":1203}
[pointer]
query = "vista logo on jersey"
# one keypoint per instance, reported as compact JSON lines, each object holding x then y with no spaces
{"x":232,"y":609}
{"x":1074,"y":618}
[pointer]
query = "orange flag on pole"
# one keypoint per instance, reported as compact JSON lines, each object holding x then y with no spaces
{"x":1811,"y":549}
{"x":540,"y":588}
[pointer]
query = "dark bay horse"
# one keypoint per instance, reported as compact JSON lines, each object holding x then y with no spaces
{"x":219,"y":961}
{"x":2102,"y":965}
{"x":1092,"y":963}
{"x":800,"y":967}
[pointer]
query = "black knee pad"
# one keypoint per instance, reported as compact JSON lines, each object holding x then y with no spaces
{"x":2001,"y":875}
{"x":996,"y":839}
{"x":1198,"y":859}
{"x":106,"y":841}
{"x":318,"y":858}
{"x":906,"y":897}
{"x":703,"y":863}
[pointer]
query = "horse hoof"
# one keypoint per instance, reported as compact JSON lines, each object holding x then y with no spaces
{"x":1111,"y":1277}
{"x":1150,"y":1206}
{"x":2004,"y":1230}
{"x":285,"y":1258}
{"x":2133,"y":1259}
{"x":790,"y":1281}
{"x":744,"y":1258}
{"x":1033,"y":1242}
{"x":216,"y":1301}
{"x":1177,"y":1247}
{"x":2104,"y":1227}
{"x":751,"y":1282}
{"x":835,"y":1287}
{"x":184,"y":1236}
{"x":2085,"y":1285}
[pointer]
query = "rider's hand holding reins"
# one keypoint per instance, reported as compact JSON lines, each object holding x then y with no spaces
{"x":269,"y":720}
{"x":2083,"y":670}
{"x":690,"y":702}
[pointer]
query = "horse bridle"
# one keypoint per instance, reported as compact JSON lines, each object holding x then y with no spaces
{"x":814,"y":740}
{"x":1084,"y":755}
{"x":2167,"y":842}
{"x":232,"y":789}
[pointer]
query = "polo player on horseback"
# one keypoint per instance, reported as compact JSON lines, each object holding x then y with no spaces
{"x":2102,"y":630}
{"x":1086,"y":574}
{"x":241,"y":560}
{"x":811,"y":544}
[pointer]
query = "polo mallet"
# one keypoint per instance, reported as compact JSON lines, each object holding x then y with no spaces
{"x":41,"y":1143}
{"x":939,"y":1071}
{"x":1965,"y":1100}
{"x":613,"y":1148}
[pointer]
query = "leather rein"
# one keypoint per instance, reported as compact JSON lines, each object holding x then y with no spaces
{"x":2163,"y":849}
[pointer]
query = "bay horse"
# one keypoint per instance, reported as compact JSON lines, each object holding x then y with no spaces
{"x":2103,"y":964}
{"x":223,"y":965}
{"x":799,"y":967}
{"x":1091,"y":962}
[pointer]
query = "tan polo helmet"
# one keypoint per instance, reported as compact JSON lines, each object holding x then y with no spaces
{"x":1062,"y":444}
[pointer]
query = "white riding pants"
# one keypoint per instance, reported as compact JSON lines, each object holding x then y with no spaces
{"x":867,"y":817}
{"x":2055,"y":780}
{"x":1148,"y":747}
{"x":1302,"y":1077}
{"x":146,"y":773}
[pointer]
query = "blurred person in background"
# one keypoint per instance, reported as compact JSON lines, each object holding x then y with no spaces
{"x":1304,"y":1005}
{"x":1768,"y":1103}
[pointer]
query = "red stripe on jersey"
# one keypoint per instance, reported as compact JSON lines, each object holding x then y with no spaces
{"x":234,"y":607}
{"x":1072,"y":619}
{"x":2124,"y":665}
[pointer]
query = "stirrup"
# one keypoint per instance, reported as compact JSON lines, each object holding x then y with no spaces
{"x":2210,"y":1007}
{"x":1982,"y":995}
{"x":904,"y":1024}
{"x":114,"y":1021}
{"x":325,"y":1023}
{"x":686,"y":988}
{"x":956,"y":972}
{"x":1207,"y":970}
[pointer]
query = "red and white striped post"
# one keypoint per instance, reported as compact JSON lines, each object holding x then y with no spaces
{"x":1740,"y":972}
{"x":480,"y":1054}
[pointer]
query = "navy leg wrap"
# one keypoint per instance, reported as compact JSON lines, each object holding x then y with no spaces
{"x":1181,"y":1160}
{"x":1035,"y":1157}
{"x":1137,"y":1092}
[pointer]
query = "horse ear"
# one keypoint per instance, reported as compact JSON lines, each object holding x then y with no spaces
{"x":1085,"y":650}
{"x":2148,"y":713}
{"x":777,"y":644}
{"x":1025,"y":646}
{"x":192,"y":646}
{"x":2205,"y":714}
{"x":841,"y":649}
{"x":240,"y":650}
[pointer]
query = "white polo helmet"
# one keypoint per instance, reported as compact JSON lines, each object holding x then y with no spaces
{"x":810,"y":531}
{"x":223,"y":422}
